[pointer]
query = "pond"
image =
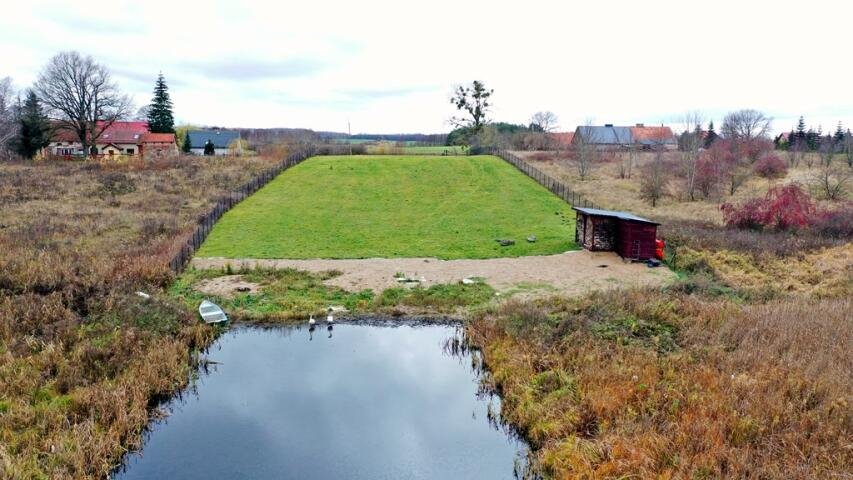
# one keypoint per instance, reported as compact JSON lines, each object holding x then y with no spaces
{"x":357,"y":402}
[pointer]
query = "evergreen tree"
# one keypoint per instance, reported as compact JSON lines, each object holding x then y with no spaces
{"x":839,"y":134}
{"x":812,"y":139}
{"x":712,"y":135}
{"x":801,"y":130}
{"x":188,"y":145}
{"x":33,"y":128}
{"x":209,"y":148}
{"x":160,"y":118}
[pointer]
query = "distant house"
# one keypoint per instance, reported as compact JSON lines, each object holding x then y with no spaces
{"x":563,"y":139}
{"x":157,"y":145}
{"x":221,"y":139}
{"x":119,"y":139}
{"x":638,"y":136}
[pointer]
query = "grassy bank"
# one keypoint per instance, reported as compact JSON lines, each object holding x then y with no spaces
{"x":292,"y":295}
{"x":395,"y":206}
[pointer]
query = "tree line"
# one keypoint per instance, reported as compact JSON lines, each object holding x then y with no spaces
{"x":76,"y":94}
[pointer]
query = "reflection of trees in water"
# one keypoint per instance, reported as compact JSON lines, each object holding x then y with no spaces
{"x":525,"y":464}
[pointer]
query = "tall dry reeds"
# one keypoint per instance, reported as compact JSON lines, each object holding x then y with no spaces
{"x":81,"y":356}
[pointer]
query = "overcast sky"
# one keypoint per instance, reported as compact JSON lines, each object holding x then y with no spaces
{"x":390,"y":66}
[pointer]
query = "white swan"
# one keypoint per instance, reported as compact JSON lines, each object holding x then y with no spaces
{"x":311,"y":320}
{"x":330,"y":319}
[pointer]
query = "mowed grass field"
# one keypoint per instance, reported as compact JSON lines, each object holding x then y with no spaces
{"x":395,"y":206}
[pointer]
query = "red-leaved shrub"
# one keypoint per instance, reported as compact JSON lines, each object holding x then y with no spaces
{"x":783,"y":208}
{"x":770,"y":166}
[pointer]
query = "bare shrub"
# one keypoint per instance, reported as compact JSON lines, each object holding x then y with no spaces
{"x":831,"y":180}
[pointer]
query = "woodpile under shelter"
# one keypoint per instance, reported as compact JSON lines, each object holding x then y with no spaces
{"x":630,"y":236}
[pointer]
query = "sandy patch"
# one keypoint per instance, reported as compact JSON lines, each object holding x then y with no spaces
{"x":226,"y":286}
{"x":570,"y":272}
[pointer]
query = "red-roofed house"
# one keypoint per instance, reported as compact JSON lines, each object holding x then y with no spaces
{"x":653,"y":136}
{"x":120,"y":138}
{"x":564,"y":139}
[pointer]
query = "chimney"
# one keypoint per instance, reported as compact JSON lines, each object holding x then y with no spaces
{"x":640,"y":125}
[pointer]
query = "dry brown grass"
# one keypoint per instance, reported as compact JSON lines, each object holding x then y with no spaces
{"x":758,"y":391}
{"x":81,"y":356}
{"x":743,"y":369}
{"x":604,"y":187}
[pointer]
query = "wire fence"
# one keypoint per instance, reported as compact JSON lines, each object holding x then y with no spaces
{"x":209,"y":219}
{"x":557,"y":187}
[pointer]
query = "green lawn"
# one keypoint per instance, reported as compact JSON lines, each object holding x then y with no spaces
{"x":395,"y":206}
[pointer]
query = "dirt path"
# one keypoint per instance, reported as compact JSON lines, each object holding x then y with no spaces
{"x":571,"y":272}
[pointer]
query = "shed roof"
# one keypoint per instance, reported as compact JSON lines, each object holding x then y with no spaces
{"x":220,"y":138}
{"x":605,"y":135}
{"x":613,"y":214}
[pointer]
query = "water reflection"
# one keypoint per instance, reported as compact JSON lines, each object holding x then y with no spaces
{"x":367,"y":402}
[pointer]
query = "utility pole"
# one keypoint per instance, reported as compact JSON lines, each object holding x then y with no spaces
{"x":349,"y":137}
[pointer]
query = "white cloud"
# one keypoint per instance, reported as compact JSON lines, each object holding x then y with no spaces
{"x":389,"y":66}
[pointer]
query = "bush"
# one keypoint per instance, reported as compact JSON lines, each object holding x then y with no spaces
{"x":770,"y":166}
{"x":117,"y":183}
{"x":836,"y":223}
{"x":784,"y":208}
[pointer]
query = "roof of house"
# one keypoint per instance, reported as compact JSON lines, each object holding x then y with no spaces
{"x":220,"y":138}
{"x":604,"y":135}
{"x":116,"y":133}
{"x":157,"y":138}
{"x":613,"y":214}
{"x":564,"y":138}
{"x":652,"y":135}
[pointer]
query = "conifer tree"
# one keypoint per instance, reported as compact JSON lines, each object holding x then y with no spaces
{"x":188,"y":145}
{"x":160,"y":118}
{"x":712,"y":135}
{"x":839,"y":134}
{"x":801,"y":128}
{"x":33,"y":128}
{"x":209,"y":148}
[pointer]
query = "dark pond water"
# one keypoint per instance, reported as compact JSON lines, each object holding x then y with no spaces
{"x":371,"y":402}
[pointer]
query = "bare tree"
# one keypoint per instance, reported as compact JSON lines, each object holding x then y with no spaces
{"x":654,"y":179}
{"x":80,"y":96}
{"x":8,"y":125}
{"x":796,"y":152}
{"x":826,"y":150}
{"x":691,"y":146}
{"x":585,"y":150}
{"x":746,"y":125}
{"x":627,"y":161}
{"x":543,"y":122}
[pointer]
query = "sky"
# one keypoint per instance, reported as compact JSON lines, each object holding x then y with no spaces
{"x":390,"y":66}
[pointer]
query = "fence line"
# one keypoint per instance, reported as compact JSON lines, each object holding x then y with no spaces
{"x":556,"y":187}
{"x":206,"y":221}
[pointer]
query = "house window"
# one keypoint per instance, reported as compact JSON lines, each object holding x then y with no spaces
{"x":129,"y":151}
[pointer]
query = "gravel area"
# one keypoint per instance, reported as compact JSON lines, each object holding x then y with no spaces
{"x":570,"y":272}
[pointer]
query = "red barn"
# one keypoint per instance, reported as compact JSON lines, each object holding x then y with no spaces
{"x":630,"y":236}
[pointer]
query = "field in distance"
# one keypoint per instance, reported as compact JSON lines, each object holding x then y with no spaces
{"x":395,"y":206}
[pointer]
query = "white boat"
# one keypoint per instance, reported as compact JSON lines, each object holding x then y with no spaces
{"x":211,"y":313}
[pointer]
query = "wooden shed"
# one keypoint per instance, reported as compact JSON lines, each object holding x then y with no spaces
{"x":630,"y":236}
